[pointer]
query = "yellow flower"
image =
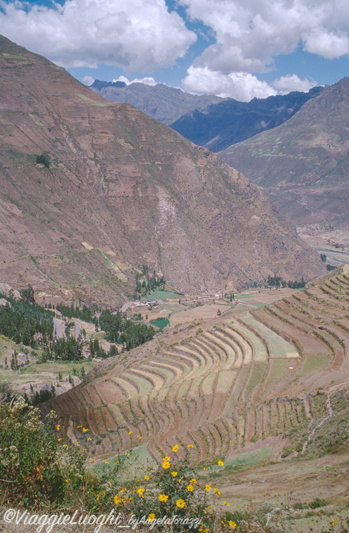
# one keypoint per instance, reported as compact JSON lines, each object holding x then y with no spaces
{"x":146,"y":477}
{"x":217,"y":492}
{"x":205,"y":468}
{"x":175,"y":448}
{"x":59,"y":440}
{"x":92,"y":460}
{"x":180,"y":503}
{"x":78,"y":442}
{"x":84,"y":429}
{"x":220,"y":463}
{"x":79,"y":427}
{"x":163,"y":497}
{"x":117,"y":500}
{"x":151,"y":517}
{"x":130,"y":432}
{"x":166,"y":464}
{"x":58,"y":427}
{"x":107,"y":462}
{"x":193,"y":481}
{"x":226,"y":503}
{"x":207,"y":488}
{"x":89,"y":438}
{"x":128,"y":455}
{"x":190,"y":488}
{"x":140,"y":491}
{"x":334,"y":522}
{"x":232,"y":524}
{"x":139,"y":437}
{"x":190,"y":446}
{"x":179,"y":480}
{"x":167,"y":458}
{"x":174,"y":474}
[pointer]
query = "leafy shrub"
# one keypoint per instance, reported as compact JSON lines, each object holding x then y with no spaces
{"x":318,"y":502}
{"x":43,"y":159}
{"x":34,"y":466}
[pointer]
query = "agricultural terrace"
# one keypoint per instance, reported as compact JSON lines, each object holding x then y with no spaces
{"x":225,"y":386}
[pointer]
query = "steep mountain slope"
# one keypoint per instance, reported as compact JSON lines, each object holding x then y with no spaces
{"x":161,"y":102}
{"x":303,"y":164}
{"x":114,"y":189}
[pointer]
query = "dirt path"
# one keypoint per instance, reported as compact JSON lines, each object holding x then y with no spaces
{"x":330,"y":414}
{"x":58,"y":328}
{"x":78,"y":329}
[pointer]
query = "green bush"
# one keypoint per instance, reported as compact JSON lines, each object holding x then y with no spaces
{"x":43,"y":159}
{"x":318,"y":502}
{"x":34,"y":466}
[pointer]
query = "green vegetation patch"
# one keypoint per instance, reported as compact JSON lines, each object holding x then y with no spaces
{"x":160,"y":322}
{"x":162,"y":295}
{"x":12,"y":56}
{"x":256,"y":377}
{"x":90,"y":101}
{"x":250,"y":458}
{"x":279,"y":369}
{"x":278,"y":346}
{"x":131,"y":465}
{"x":315,"y":363}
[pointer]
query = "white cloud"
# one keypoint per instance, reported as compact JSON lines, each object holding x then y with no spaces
{"x":88,"y":80}
{"x":251,"y":33}
{"x":242,"y":86}
{"x":147,"y":81}
{"x":136,"y":35}
{"x":327,"y":44}
{"x":292,"y":82}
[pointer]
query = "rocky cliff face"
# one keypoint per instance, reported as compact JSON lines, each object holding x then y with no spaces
{"x":115,"y":189}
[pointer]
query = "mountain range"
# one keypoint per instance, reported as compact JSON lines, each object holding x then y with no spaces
{"x":208,"y":121}
{"x":91,"y":190}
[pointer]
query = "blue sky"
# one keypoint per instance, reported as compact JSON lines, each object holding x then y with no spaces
{"x":237,"y":48}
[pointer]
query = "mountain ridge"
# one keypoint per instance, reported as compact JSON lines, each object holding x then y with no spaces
{"x":208,"y":121}
{"x":302,"y":164}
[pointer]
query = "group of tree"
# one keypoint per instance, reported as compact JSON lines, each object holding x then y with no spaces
{"x":277,"y":281}
{"x":38,"y":397}
{"x":86,"y":314}
{"x":30,"y":324}
{"x":64,"y":349}
{"x":121,"y":330}
{"x":146,"y":283}
{"x":26,"y":322}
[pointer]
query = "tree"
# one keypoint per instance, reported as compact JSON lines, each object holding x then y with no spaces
{"x":43,"y":159}
{"x":27,"y":295}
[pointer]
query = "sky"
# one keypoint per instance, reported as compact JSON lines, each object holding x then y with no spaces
{"x":232,"y":48}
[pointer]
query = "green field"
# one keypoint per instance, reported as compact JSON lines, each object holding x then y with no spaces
{"x":162,"y":295}
{"x":278,"y":346}
{"x":250,"y":458}
{"x":160,"y":322}
{"x":315,"y":363}
{"x":279,"y":369}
